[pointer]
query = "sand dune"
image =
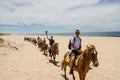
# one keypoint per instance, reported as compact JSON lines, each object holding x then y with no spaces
{"x":21,"y":60}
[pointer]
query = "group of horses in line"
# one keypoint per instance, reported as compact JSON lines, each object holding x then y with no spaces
{"x":44,"y":47}
{"x":82,"y":61}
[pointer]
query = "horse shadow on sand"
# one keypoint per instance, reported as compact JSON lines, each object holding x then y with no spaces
{"x":65,"y":78}
{"x":45,"y":54}
{"x":55,"y":63}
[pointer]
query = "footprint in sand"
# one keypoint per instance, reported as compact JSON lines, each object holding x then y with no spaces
{"x":28,"y":79}
{"x":3,"y":54}
{"x":26,"y":73}
{"x":15,"y":71}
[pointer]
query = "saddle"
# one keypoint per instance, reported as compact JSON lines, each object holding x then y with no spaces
{"x":67,"y":59}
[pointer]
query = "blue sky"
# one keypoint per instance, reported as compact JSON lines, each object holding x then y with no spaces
{"x":59,"y":16}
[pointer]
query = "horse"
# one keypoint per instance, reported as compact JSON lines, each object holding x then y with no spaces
{"x":54,"y":51}
{"x":25,"y":38}
{"x":82,"y":62}
{"x":39,"y":44}
{"x":34,"y":41}
{"x":45,"y":49}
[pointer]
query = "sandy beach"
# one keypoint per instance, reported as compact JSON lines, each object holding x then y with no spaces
{"x":20,"y":60}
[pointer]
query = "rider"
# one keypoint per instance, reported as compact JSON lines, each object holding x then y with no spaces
{"x":51,"y":42}
{"x":75,"y":49}
{"x":44,"y":41}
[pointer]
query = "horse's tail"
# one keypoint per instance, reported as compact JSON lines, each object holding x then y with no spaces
{"x":64,"y":62}
{"x":62,"y":65}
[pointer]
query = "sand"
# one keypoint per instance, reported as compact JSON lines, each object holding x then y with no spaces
{"x":20,"y":60}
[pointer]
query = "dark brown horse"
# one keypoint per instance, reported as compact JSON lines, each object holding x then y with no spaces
{"x":54,"y":51}
{"x":39,"y":44}
{"x":34,"y":41}
{"x":27,"y":39}
{"x":45,"y":49}
{"x":82,"y":62}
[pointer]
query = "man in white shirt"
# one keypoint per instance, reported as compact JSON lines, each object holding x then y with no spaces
{"x":75,"y":49}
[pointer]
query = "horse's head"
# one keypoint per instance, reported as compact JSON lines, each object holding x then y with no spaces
{"x":56,"y":43}
{"x":93,"y":55}
{"x":55,"y":47}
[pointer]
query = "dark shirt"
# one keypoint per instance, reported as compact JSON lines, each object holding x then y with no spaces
{"x":51,"y":41}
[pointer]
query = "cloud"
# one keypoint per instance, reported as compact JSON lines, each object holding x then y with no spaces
{"x":68,"y":13}
{"x":108,"y":1}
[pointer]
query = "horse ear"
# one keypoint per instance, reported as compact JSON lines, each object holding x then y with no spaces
{"x":92,"y":46}
{"x":96,"y":51}
{"x":57,"y":43}
{"x":87,"y":46}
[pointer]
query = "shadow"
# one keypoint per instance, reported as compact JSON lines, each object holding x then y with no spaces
{"x":90,"y":68}
{"x":45,"y":54}
{"x":55,"y":63}
{"x":65,"y":78}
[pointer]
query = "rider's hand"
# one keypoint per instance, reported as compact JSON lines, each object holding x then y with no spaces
{"x":80,"y":51}
{"x":46,"y":32}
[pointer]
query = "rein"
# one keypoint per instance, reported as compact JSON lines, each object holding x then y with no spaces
{"x":87,"y":52}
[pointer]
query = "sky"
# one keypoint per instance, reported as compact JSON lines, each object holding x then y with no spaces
{"x":59,"y":16}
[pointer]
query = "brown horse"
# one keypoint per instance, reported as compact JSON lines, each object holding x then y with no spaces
{"x":34,"y":41}
{"x":45,"y":49}
{"x":54,"y":51}
{"x":27,"y":39}
{"x":82,"y":62}
{"x":39,"y":45}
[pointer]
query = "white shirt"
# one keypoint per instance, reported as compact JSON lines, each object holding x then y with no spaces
{"x":77,"y":42}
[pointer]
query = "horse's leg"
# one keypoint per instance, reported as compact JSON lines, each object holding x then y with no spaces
{"x":51,"y":56}
{"x":73,"y":76}
{"x":49,"y":53}
{"x":54,"y":57}
{"x":65,"y":65}
{"x":84,"y":77}
{"x":79,"y":76}
{"x":44,"y":52}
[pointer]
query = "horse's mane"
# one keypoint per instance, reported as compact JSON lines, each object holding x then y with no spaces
{"x":55,"y":46}
{"x":85,"y":54}
{"x":87,"y":50}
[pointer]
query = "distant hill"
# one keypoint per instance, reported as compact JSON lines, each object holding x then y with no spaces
{"x":1,"y":34}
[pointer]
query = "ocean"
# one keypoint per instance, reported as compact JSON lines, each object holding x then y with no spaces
{"x":96,"y":34}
